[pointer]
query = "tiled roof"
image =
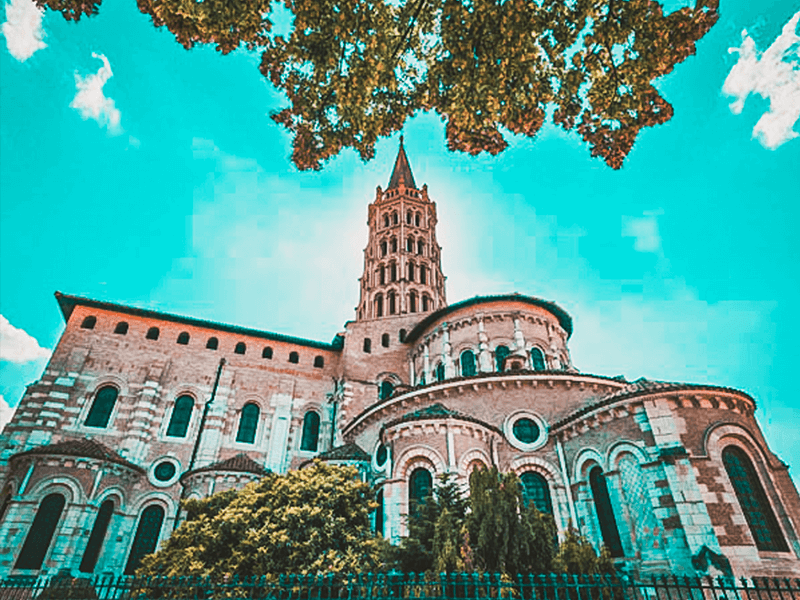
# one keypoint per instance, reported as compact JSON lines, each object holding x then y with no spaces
{"x":642,"y":387}
{"x":437,"y":411}
{"x":402,"y":171}
{"x":84,"y":448}
{"x":241,"y":463}
{"x":346,"y":452}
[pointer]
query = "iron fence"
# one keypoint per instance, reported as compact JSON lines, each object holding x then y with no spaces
{"x":453,"y":586}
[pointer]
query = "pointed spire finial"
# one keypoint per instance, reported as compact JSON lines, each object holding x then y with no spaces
{"x":401,"y":174}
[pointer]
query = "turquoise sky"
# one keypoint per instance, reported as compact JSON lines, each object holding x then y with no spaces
{"x":682,"y":266}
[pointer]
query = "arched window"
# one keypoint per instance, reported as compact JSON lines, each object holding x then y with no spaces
{"x":183,"y":338}
{"x":383,"y":248}
{"x":181,"y":415}
{"x":319,"y":362}
{"x":240,"y":348}
{"x":37,"y":542}
{"x":467,"y":363}
{"x":385,"y":340}
{"x":146,"y":538}
{"x":248,"y":423}
{"x":379,"y":513}
{"x":121,"y":328}
{"x":440,"y":372}
{"x":402,"y":336}
{"x":423,"y":274}
{"x":500,"y":354}
{"x":537,"y":360}
{"x":410,"y":245}
{"x":382,"y":274}
{"x":412,"y":302}
{"x":393,"y":271}
{"x":310,"y":439}
{"x":379,"y":305}
{"x":411,"y":271}
{"x":386,"y":389}
{"x":212,"y":343}
{"x":605,"y":513}
{"x":536,"y":490}
{"x":96,"y":538}
{"x":89,"y":322}
{"x":408,"y":217}
{"x":266,"y":352}
{"x":420,"y":247}
{"x":294,"y":357}
{"x":419,"y":488}
{"x":426,"y":302}
{"x":385,"y":220}
{"x":367,"y":345}
{"x":394,"y":244}
{"x":101,"y":409}
{"x":755,"y":505}
{"x":416,"y":219}
{"x":392,"y":302}
{"x":152,"y":333}
{"x":395,"y":220}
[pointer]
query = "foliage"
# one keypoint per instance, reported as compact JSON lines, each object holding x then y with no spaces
{"x":506,"y":536}
{"x":354,"y":70}
{"x":576,"y":556}
{"x":64,"y":587}
{"x":313,"y":520}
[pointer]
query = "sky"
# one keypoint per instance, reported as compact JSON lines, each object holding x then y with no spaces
{"x":137,"y":172}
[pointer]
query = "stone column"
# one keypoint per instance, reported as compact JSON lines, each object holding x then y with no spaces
{"x":484,"y":356}
{"x":447,"y":349}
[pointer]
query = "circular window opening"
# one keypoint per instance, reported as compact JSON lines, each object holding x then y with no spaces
{"x":526,"y":430}
{"x":381,"y":455}
{"x":164,"y":471}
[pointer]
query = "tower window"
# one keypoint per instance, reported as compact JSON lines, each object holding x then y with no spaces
{"x":416,"y":219}
{"x":409,"y":245}
{"x":402,"y":336}
{"x":537,"y":359}
{"x":37,"y":542}
{"x":385,"y":340}
{"x":368,"y":345}
{"x":96,"y":538}
{"x":181,"y":416}
{"x":420,"y":247}
{"x":408,"y":217}
{"x":294,"y":357}
{"x":310,"y":439}
{"x":755,"y":505}
{"x":383,"y":275}
{"x":89,"y":322}
{"x":395,"y":220}
{"x":212,"y":343}
{"x":393,"y":269}
{"x":319,"y":362}
{"x":240,"y":348}
{"x":536,"y":490}
{"x":378,"y":305}
{"x":183,"y":338}
{"x":605,"y":513}
{"x":394,"y":244}
{"x":425,"y":303}
{"x":386,"y":389}
{"x":383,"y":248}
{"x":423,"y":274}
{"x":266,"y":352}
{"x":385,"y":220}
{"x":392,"y":297}
{"x":152,"y":333}
{"x":102,"y":407}
{"x":412,"y":302}
{"x":500,"y":354}
{"x":248,"y":423}
{"x":121,"y":328}
{"x":467,"y":363}
{"x":411,"y":271}
{"x":146,"y":538}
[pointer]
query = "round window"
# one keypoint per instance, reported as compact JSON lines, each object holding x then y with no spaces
{"x":381,"y":455}
{"x":526,"y":430}
{"x":164,"y":471}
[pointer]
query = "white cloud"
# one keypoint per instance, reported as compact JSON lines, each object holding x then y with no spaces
{"x":774,"y":75}
{"x":23,"y":29}
{"x":18,"y":346}
{"x":91,"y":102}
{"x":644,"y":231}
{"x":6,"y":412}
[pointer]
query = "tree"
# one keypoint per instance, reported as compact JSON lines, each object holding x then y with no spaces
{"x":354,"y":70}
{"x":576,"y":556}
{"x":314,"y":520}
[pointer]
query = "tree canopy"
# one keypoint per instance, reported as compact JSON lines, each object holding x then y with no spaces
{"x":315,"y":520}
{"x":354,"y":71}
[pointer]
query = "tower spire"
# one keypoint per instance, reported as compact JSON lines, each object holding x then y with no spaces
{"x":401,"y":174}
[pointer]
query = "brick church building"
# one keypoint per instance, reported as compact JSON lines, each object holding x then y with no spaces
{"x":138,"y":409}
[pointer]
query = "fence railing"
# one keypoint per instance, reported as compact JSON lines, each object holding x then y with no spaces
{"x":453,"y":586}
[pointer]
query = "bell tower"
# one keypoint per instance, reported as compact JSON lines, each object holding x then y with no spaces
{"x":402,"y":260}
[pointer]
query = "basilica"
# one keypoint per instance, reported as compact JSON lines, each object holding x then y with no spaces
{"x":138,"y":409}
